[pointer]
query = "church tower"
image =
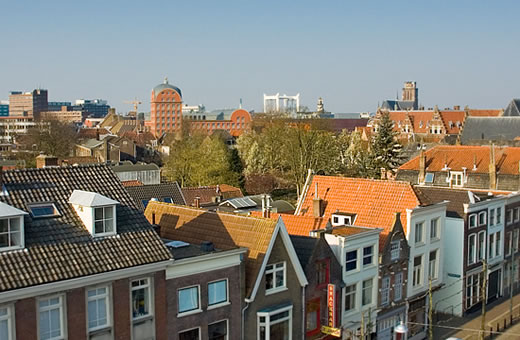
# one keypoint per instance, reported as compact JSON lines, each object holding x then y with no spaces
{"x":411,"y":93}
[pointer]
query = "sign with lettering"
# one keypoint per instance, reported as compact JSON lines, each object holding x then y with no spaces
{"x":331,"y":331}
{"x":331,"y":304}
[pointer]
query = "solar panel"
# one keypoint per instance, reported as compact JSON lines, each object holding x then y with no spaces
{"x":242,"y":202}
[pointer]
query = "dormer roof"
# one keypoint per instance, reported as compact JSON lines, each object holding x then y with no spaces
{"x":90,"y":199}
{"x":8,"y":211}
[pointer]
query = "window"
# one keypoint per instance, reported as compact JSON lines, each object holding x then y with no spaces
{"x":322,"y":272}
{"x":429,"y":177}
{"x":481,"y":245}
{"x":515,"y":240}
{"x":43,"y":210}
{"x":51,"y":318}
{"x":275,"y":325}
{"x":350,"y":297}
{"x":516,"y":214}
{"x":499,"y":215}
{"x":351,"y":260}
{"x":218,"y":330}
{"x":491,"y":248}
{"x":456,"y":179}
{"x":497,"y":243}
{"x":385,"y":290}
{"x":217,"y":292}
{"x":274,"y":276}
{"x":491,"y":216}
{"x":482,"y":218}
{"x":367,"y":255}
{"x":167,"y":200}
{"x":394,"y":250}
{"x":97,"y":306}
{"x":433,"y":265}
{"x":398,"y":286}
{"x":472,"y":290}
{"x":6,"y":323}
{"x":11,"y":233}
{"x":419,"y":232}
{"x":434,"y":229}
{"x":191,"y":334}
{"x":417,"y":268}
{"x":312,"y":319}
{"x":189,"y":299}
{"x":366,"y":295}
{"x":472,"y":248}
{"x":509,"y":243}
{"x":472,"y":221}
{"x":509,"y":216}
{"x":104,"y":220}
{"x":141,"y":298}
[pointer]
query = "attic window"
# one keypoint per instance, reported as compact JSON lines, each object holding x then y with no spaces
{"x":43,"y":210}
{"x":167,"y":200}
{"x":429,"y":177}
{"x":104,"y":220}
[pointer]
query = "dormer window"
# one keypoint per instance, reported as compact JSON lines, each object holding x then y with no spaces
{"x":97,"y":212}
{"x":11,"y":227}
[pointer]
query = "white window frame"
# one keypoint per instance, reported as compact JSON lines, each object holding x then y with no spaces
{"x":107,"y":297}
{"x":371,"y":293}
{"x":105,"y":233}
{"x":222,"y":303}
{"x":515,"y":240}
{"x":9,"y":318}
{"x":147,"y":285}
{"x":498,"y":240}
{"x":516,"y":214}
{"x":499,"y":215}
{"x":272,"y":271}
{"x":370,"y":256}
{"x":491,"y":217}
{"x":472,"y":256}
{"x":455,"y":177}
{"x":491,"y":246}
{"x":481,"y":248}
{"x":473,"y":221}
{"x":395,"y":250}
{"x":351,"y":261}
{"x":227,"y":327}
{"x":509,"y":216}
{"x":198,"y":309}
{"x":484,"y":218}
{"x":419,"y":226}
{"x":417,"y":272}
{"x":189,"y":329}
{"x":509,"y":244}
{"x":433,"y":273}
{"x":385,"y":290}
{"x":9,"y":233}
{"x":349,"y":294}
{"x":267,"y":323}
{"x":61,"y":307}
{"x":398,"y":286}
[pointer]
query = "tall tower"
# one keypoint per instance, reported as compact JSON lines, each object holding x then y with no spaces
{"x":411,"y":93}
{"x":166,"y":109}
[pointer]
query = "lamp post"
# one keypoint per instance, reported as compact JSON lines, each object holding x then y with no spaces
{"x":400,"y":331}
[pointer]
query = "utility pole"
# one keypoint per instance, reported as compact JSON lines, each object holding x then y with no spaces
{"x":484,"y":296}
{"x":430,"y":312}
{"x":362,"y":325}
{"x":511,"y":277}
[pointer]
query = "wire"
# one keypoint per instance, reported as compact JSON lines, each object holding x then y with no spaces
{"x":463,"y":329}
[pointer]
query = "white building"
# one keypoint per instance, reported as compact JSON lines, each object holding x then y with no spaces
{"x":357,"y":249}
{"x":10,"y":127}
{"x":281,"y":103}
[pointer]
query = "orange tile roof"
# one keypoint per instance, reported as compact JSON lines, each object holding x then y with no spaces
{"x":457,"y":157}
{"x":420,"y":119}
{"x":132,"y":183}
{"x":206,"y":193}
{"x":226,"y":231}
{"x":296,"y":225}
{"x":485,"y":113}
{"x":350,"y":230}
{"x":373,"y":201}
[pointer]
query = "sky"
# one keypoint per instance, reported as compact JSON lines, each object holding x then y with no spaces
{"x":353,"y":54}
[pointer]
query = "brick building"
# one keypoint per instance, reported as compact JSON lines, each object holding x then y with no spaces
{"x":235,"y":123}
{"x":79,"y":261}
{"x":166,"y":109}
{"x":28,"y":104}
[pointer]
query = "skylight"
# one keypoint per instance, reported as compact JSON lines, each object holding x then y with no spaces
{"x":43,"y":210}
{"x":429,"y":177}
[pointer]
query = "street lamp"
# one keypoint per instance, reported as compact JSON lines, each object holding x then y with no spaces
{"x":399,"y":330}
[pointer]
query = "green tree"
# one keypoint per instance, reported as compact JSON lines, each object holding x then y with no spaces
{"x":52,"y":138}
{"x":385,"y":149}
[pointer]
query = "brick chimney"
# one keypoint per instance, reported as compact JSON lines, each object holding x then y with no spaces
{"x":492,"y":168}
{"x":43,"y":161}
{"x":317,"y":203}
{"x":422,"y":166}
{"x":196,"y":202}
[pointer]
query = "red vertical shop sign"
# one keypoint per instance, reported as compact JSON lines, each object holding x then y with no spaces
{"x":331,"y":304}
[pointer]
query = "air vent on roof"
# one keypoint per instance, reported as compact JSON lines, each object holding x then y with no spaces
{"x":177,"y":244}
{"x":207,"y":246}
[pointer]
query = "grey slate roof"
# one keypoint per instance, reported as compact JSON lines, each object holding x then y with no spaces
{"x":398,"y":105}
{"x":61,"y":248}
{"x":490,"y":129}
{"x":129,"y":166}
{"x":304,"y":247}
{"x":159,"y":191}
{"x":513,"y":109}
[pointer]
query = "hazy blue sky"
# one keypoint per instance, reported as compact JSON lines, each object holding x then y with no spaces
{"x":353,"y":54}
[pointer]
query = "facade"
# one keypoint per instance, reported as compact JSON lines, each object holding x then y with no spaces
{"x":58,"y":260}
{"x":144,"y":173}
{"x":470,"y":167}
{"x":28,"y":104}
{"x":57,"y":106}
{"x":238,"y":122}
{"x":281,"y":103}
{"x":4,"y":108}
{"x":273,"y":293}
{"x":63,"y":115}
{"x":409,"y":100}
{"x":14,"y":126}
{"x":166,"y":109}
{"x":96,"y":108}
{"x":111,"y":148}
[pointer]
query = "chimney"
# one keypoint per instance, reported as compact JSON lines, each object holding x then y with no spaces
{"x":196,"y":202}
{"x":43,"y":161}
{"x":317,"y":203}
{"x":456,"y":107}
{"x":97,"y":133}
{"x":422,"y":166}
{"x":492,"y":168}
{"x":266,"y":209}
{"x":207,"y":246}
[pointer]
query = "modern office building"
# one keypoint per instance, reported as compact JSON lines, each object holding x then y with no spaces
{"x":96,"y":108}
{"x":4,"y":108}
{"x":28,"y":104}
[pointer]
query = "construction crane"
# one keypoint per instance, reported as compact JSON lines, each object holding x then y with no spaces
{"x":134,"y":102}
